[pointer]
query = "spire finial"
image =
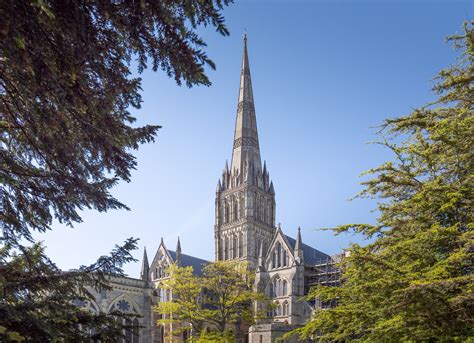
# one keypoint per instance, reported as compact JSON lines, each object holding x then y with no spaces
{"x":245,"y":36}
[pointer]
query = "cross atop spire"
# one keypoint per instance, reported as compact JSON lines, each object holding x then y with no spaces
{"x":245,"y":134}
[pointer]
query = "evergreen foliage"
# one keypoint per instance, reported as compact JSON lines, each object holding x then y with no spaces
{"x":67,"y":137}
{"x":222,"y":296}
{"x":414,"y":282}
{"x":39,"y":302}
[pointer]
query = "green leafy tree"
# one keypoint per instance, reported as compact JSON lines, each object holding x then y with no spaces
{"x":67,"y":134}
{"x":186,"y":306}
{"x":414,"y":282}
{"x":221,"y":297}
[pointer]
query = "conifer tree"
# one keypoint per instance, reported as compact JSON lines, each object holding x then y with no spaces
{"x":67,"y":137}
{"x":414,"y":282}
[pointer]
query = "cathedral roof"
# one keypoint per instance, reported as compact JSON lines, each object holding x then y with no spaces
{"x":310,"y":254}
{"x":190,"y":261}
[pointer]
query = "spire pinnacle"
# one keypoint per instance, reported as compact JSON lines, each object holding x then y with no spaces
{"x":178,"y":246}
{"x":298,"y":240}
{"x":144,"y":273}
{"x":245,"y":134}
{"x":299,"y":247}
{"x":178,"y":252}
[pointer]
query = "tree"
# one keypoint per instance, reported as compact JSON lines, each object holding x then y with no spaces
{"x":414,"y":282}
{"x":39,"y":302}
{"x":66,"y":92}
{"x":221,"y":297}
{"x":66,"y":132}
{"x":186,"y":306}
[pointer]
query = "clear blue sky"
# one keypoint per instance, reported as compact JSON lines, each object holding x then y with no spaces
{"x":324,"y":74}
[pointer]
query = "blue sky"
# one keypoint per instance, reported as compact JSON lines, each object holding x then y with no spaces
{"x":324,"y":74}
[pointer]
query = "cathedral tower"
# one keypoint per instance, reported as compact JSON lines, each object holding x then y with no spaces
{"x":245,"y":197}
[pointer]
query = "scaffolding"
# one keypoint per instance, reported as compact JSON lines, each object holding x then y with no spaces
{"x":323,"y":273}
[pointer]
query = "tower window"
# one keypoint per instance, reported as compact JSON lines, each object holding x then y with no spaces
{"x":234,"y":246}
{"x":241,"y":245}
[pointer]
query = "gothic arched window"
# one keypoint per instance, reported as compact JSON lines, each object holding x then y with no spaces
{"x":277,"y":286}
{"x":226,"y":250}
{"x":285,"y":287}
{"x":241,"y":245}
{"x":279,"y":255}
{"x":236,"y":209}
{"x":264,"y":217}
{"x":128,"y":331}
{"x":234,"y":246}
{"x":284,"y":258}
{"x":221,"y":249}
{"x":278,"y":309}
{"x":285,"y":308}
{"x":136,"y":331}
{"x":226,"y":213}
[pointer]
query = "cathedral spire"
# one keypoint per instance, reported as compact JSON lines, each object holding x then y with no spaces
{"x":145,"y":267}
{"x":245,"y":134}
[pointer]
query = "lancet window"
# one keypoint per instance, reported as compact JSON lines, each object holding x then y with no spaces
{"x":241,"y":245}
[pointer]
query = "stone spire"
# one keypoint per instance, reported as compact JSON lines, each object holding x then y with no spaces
{"x":178,"y":252}
{"x":245,"y":134}
{"x":299,"y":247}
{"x":145,"y":272}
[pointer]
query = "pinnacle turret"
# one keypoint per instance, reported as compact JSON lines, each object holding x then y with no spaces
{"x":298,"y":250}
{"x":145,"y":271}
{"x":178,"y":252}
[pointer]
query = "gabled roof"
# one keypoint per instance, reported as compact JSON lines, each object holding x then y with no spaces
{"x":279,"y":233}
{"x":190,"y":261}
{"x":310,"y":255}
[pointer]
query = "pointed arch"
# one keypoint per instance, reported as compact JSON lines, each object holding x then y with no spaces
{"x":226,"y":250}
{"x":136,"y":331}
{"x":226,"y":212}
{"x":234,"y":246}
{"x":134,"y":305}
{"x":221,"y":249}
{"x":278,"y":254}
{"x":236,"y":209}
{"x":285,"y":308}
{"x":241,"y":244}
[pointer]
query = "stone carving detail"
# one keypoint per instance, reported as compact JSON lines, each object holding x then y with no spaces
{"x":245,"y":106}
{"x":246,"y":141}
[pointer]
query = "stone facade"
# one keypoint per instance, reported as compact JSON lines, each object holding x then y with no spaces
{"x":244,"y":230}
{"x":129,"y":295}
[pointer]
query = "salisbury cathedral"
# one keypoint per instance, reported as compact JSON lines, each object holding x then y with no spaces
{"x":245,"y":229}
